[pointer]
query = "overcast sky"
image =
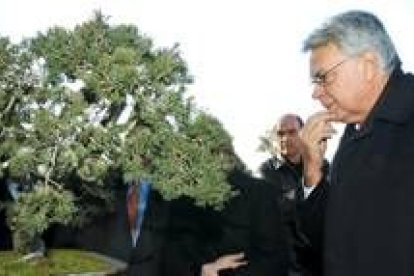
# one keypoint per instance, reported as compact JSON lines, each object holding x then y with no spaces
{"x":245,"y":55}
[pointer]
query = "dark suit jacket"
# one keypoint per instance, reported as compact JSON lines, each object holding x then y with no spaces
{"x":5,"y":233}
{"x":179,"y":237}
{"x":176,"y":238}
{"x":252,"y":223}
{"x":302,"y":219}
{"x":370,"y":211}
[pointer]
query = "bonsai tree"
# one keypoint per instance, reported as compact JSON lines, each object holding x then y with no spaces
{"x":77,"y":105}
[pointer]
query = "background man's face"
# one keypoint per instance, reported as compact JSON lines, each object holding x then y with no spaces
{"x":287,"y":138}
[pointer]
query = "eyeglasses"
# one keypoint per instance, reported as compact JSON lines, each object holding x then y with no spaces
{"x":321,"y":78}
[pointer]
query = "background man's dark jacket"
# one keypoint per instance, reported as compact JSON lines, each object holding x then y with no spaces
{"x":178,"y":237}
{"x":303,"y":219}
{"x":252,"y":223}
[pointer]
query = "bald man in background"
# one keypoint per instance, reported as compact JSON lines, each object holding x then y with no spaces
{"x":302,"y":205}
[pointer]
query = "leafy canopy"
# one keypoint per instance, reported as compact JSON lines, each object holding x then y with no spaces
{"x":78,"y":105}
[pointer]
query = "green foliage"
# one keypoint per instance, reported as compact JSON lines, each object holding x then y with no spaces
{"x":192,"y":162}
{"x":63,"y":143}
{"x":34,"y":211}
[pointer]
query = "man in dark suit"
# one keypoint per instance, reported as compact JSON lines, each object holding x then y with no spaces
{"x":357,"y":77}
{"x":252,"y":225}
{"x":177,"y":237}
{"x":302,"y":205}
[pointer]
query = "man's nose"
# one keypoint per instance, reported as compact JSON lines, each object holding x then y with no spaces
{"x":318,"y":91}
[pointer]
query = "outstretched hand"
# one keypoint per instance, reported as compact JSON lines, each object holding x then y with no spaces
{"x":230,"y":261}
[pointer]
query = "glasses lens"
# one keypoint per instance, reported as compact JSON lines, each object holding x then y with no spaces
{"x":320,"y":78}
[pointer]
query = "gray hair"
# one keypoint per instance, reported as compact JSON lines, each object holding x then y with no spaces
{"x":355,"y":32}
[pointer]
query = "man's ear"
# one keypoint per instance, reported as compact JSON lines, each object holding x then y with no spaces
{"x":369,"y":65}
